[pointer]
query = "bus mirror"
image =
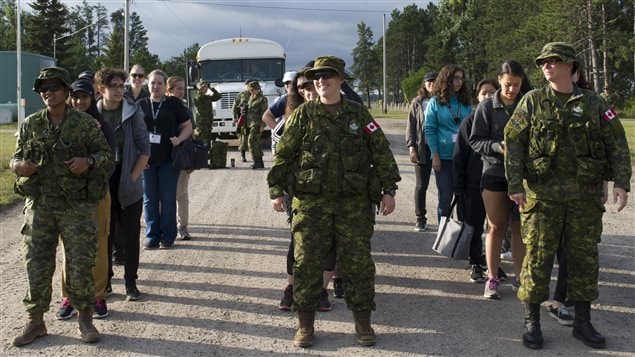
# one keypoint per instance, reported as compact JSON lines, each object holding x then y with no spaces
{"x":279,"y":83}
{"x":193,"y":72}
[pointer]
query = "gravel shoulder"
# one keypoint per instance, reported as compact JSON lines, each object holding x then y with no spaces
{"x":217,"y":294}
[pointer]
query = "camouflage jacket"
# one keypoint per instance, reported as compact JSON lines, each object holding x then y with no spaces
{"x":49,"y":146}
{"x":325,"y":155}
{"x":204,"y":107}
{"x":241,"y":99}
{"x":258,"y":105}
{"x":563,"y":151}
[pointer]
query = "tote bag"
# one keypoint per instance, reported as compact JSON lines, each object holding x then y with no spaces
{"x":454,"y":237}
{"x":190,"y":155}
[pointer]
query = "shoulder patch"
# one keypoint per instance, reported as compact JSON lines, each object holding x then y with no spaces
{"x":371,"y":127}
{"x":609,"y":114}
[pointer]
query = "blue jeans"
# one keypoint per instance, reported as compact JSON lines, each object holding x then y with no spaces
{"x":159,"y":203}
{"x":444,"y":188}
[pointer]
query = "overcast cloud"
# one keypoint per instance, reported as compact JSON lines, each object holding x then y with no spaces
{"x":306,"y":29}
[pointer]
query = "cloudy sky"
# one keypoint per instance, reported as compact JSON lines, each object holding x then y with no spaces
{"x":306,"y":29}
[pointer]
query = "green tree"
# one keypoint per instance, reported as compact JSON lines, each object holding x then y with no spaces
{"x":175,"y":66}
{"x":113,"y":46}
{"x":137,"y":35}
{"x":146,"y":59}
{"x":365,"y":63}
{"x":8,"y":25}
{"x":48,"y":20}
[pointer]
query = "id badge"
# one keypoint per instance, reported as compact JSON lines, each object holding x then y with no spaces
{"x":454,"y":136}
{"x":155,"y":138}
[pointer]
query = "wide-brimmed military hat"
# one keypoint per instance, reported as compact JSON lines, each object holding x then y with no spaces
{"x":83,"y":85}
{"x":52,"y":73}
{"x":253,"y":85}
{"x":328,"y":63}
{"x":561,"y":50}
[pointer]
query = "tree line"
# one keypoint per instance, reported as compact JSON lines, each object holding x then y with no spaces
{"x":99,"y":45}
{"x":479,"y":35}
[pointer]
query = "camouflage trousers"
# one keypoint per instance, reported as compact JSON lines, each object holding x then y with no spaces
{"x":254,"y":142}
{"x":243,"y":136}
{"x":543,"y":224}
{"x":44,"y":222}
{"x":204,"y":131}
{"x":316,"y":226}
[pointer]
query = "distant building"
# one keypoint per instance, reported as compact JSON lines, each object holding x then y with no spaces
{"x":31,"y":65}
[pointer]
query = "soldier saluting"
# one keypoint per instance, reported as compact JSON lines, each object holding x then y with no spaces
{"x":62,"y":161}
{"x":341,"y":163}
{"x":562,"y":143}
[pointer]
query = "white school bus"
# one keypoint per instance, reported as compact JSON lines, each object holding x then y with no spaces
{"x":227,"y":64}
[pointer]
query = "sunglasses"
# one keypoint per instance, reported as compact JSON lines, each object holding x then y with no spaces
{"x":323,"y":75}
{"x":307,"y":85}
{"x":51,"y":88}
{"x":550,"y":61}
{"x":137,"y":75}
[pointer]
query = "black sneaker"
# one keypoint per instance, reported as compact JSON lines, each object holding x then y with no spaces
{"x":501,"y":275}
{"x":515,"y":284}
{"x":132,"y":293}
{"x":101,"y":310}
{"x":561,"y":315}
{"x":148,"y":245}
{"x":338,"y":288}
{"x":287,"y":298}
{"x":421,"y":225}
{"x":477,"y":275}
{"x":325,"y":304}
{"x":66,"y":310}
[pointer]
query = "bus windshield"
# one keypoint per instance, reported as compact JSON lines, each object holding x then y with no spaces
{"x":219,"y":71}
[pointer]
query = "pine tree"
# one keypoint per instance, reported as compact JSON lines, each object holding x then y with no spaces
{"x":47,"y":22}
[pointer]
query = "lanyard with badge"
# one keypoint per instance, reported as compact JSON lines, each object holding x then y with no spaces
{"x":456,"y":117}
{"x":155,"y":138}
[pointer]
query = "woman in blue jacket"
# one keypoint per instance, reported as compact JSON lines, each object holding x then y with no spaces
{"x":443,"y":115}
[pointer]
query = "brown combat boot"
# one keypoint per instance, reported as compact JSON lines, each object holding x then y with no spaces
{"x":34,"y":328}
{"x":304,"y":337}
{"x":87,"y":331}
{"x":365,"y":333}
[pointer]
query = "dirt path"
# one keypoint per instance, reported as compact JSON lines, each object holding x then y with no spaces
{"x":217,"y":294}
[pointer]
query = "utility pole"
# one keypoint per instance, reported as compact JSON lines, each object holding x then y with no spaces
{"x":384,"y":108}
{"x":126,"y":37}
{"x":18,"y":52}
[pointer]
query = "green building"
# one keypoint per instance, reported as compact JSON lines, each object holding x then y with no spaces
{"x":31,"y":65}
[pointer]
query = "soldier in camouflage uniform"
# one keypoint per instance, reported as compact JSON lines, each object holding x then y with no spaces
{"x":340,"y":162}
{"x":257,"y":105}
{"x":239,"y":108}
{"x":562,"y":142}
{"x":205,"y":112}
{"x":53,"y":150}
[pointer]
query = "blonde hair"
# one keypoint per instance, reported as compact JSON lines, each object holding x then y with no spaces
{"x":172,"y":81}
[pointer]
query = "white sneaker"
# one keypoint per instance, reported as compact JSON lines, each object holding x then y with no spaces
{"x":507,"y":256}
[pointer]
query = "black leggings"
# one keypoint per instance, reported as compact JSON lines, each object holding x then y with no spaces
{"x":560,"y":294}
{"x":330,"y":258}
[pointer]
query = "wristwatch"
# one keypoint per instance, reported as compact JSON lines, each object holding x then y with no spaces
{"x":392,"y":192}
{"x":91,"y":161}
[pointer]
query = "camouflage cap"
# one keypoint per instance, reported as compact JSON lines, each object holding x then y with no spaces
{"x":254,"y":85}
{"x":561,"y":50}
{"x":201,"y":83}
{"x":52,"y":73}
{"x":325,"y":63}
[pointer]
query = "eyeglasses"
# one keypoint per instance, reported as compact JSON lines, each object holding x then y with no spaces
{"x":115,"y":86}
{"x":550,"y":61}
{"x":137,"y":75}
{"x":323,"y":75}
{"x":287,"y":83}
{"x":51,"y":88}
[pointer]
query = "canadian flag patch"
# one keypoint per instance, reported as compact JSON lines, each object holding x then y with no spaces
{"x":371,"y":127}
{"x":609,"y":114}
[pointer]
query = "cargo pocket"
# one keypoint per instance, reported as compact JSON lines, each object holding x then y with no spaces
{"x":308,"y":181}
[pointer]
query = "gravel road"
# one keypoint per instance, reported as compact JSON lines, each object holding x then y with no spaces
{"x":217,"y":294}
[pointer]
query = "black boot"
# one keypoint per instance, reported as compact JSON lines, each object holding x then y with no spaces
{"x":242,"y":155}
{"x":532,"y":338}
{"x":582,"y":328}
{"x":258,"y":163}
